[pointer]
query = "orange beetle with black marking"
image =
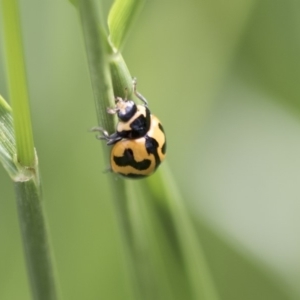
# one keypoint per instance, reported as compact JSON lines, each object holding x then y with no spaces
{"x":139,"y":143}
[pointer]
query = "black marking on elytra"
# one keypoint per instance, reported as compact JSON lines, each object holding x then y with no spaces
{"x":164,"y":148}
{"x":161,"y":127}
{"x":152,"y":145}
{"x":127,"y":159}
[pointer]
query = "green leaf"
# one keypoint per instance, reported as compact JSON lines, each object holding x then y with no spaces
{"x":120,"y":19}
{"x":7,"y":139}
{"x":8,"y":150}
{"x":18,"y":157}
{"x":166,"y":197}
{"x":17,"y":83}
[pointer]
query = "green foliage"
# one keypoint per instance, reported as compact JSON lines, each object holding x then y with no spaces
{"x":17,"y":84}
{"x":7,"y":139}
{"x":19,"y":159}
{"x":223,"y":82}
{"x":120,"y":19}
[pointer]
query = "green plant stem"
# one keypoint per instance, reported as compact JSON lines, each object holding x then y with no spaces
{"x":195,"y":265}
{"x":17,"y":83}
{"x":26,"y":176}
{"x":98,"y":61}
{"x":97,"y":55}
{"x":110,"y":76}
{"x":35,"y":241}
{"x":121,"y":78}
{"x":135,"y":223}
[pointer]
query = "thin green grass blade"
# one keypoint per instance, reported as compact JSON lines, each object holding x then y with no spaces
{"x":8,"y":150}
{"x":134,"y":229}
{"x":97,"y":56}
{"x":120,"y":19}
{"x":18,"y":156}
{"x":149,"y":260}
{"x":166,"y":197}
{"x":98,"y":63}
{"x":7,"y":139}
{"x":121,"y":78}
{"x":17,"y":83}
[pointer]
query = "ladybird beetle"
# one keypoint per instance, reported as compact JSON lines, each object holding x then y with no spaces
{"x":139,"y":143}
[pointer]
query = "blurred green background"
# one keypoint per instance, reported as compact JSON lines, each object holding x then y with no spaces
{"x":223,"y":77}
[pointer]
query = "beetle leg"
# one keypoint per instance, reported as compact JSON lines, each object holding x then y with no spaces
{"x":112,"y":110}
{"x":107,"y":169}
{"x":104,"y":136}
{"x":109,"y":138}
{"x":140,"y":96}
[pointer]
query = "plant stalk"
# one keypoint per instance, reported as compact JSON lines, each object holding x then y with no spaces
{"x":26,"y":177}
{"x":35,"y":241}
{"x":17,"y":83}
